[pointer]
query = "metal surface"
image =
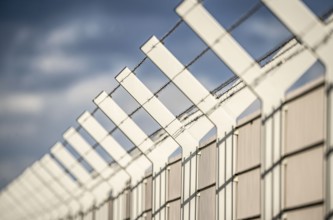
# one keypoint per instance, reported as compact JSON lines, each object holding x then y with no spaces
{"x":248,"y":189}
{"x":224,"y":116}
{"x":112,"y":147}
{"x":317,"y":36}
{"x":276,"y":165}
{"x":85,"y":150}
{"x":172,"y":126}
{"x":68,"y":160}
{"x":157,"y":110}
{"x":270,"y":89}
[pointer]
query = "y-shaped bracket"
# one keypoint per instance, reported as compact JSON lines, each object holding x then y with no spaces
{"x":80,"y":173}
{"x":317,"y":37}
{"x":224,"y":117}
{"x":158,"y":154}
{"x":270,"y":88}
{"x":35,"y":187}
{"x":11,"y":207}
{"x":95,"y":129}
{"x":54,"y":187}
{"x":73,"y":190}
{"x":31,"y":207}
{"x":174,"y":128}
{"x":95,"y":160}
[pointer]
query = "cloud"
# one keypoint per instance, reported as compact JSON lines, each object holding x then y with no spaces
{"x":76,"y":30}
{"x":20,"y":103}
{"x":62,"y":107}
{"x":267,"y":28}
{"x":261,"y":33}
{"x":24,"y":129}
{"x":60,"y":63}
{"x":56,"y":61}
{"x":55,"y":53}
{"x":85,"y":90}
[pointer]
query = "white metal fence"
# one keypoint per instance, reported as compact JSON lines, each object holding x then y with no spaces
{"x":275,"y":163}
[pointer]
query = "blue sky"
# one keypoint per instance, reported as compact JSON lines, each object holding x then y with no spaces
{"x":57,"y":55}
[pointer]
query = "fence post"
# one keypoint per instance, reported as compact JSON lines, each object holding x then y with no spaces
{"x":222,"y":115}
{"x":73,"y":190}
{"x":317,"y":37}
{"x":158,"y":154}
{"x":134,"y":167}
{"x":171,"y":125}
{"x":270,"y":90}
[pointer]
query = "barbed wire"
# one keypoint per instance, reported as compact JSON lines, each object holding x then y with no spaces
{"x":238,"y":22}
{"x":243,"y":18}
{"x":232,"y":79}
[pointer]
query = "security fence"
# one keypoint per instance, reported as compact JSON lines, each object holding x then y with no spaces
{"x":216,"y":160}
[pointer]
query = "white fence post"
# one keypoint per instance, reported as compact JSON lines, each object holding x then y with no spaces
{"x":270,"y":89}
{"x":172,"y":126}
{"x":317,"y":37}
{"x":224,"y":116}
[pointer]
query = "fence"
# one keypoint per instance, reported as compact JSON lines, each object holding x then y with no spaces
{"x":275,"y":163}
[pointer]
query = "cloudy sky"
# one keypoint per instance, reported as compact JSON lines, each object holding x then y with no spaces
{"x":57,"y":55}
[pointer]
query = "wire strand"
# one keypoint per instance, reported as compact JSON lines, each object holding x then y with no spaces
{"x":238,"y":22}
{"x":243,"y":18}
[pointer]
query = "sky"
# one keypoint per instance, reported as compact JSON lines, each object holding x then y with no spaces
{"x":57,"y":55}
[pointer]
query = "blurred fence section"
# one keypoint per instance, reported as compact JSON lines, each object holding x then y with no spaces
{"x":259,"y":146}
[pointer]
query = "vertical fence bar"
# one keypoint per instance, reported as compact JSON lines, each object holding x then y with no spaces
{"x":270,"y":90}
{"x":161,"y":114}
{"x":317,"y":36}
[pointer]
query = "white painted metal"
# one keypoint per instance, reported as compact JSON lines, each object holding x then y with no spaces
{"x":130,"y":170}
{"x":175,"y":71}
{"x":56,"y":188}
{"x":35,"y":204}
{"x":11,"y":209}
{"x":317,"y":36}
{"x":15,"y":195}
{"x":102,"y":212}
{"x":157,"y":154}
{"x":68,"y":160}
{"x":82,"y":175}
{"x":224,"y":116}
{"x":41,"y":189}
{"x":268,"y":83}
{"x":74,"y":191}
{"x":270,"y":88}
{"x":57,"y":191}
{"x":95,"y":129}
{"x":92,"y":186}
{"x":157,"y":110}
{"x":71,"y":188}
{"x":42,"y":204}
{"x":16,"y":201}
{"x":4,"y":205}
{"x":53,"y":197}
{"x":223,"y":44}
{"x":36,"y":201}
{"x":173,"y":127}
{"x":123,"y":121}
{"x":85,"y":150}
{"x":58,"y":173}
{"x":97,"y":187}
